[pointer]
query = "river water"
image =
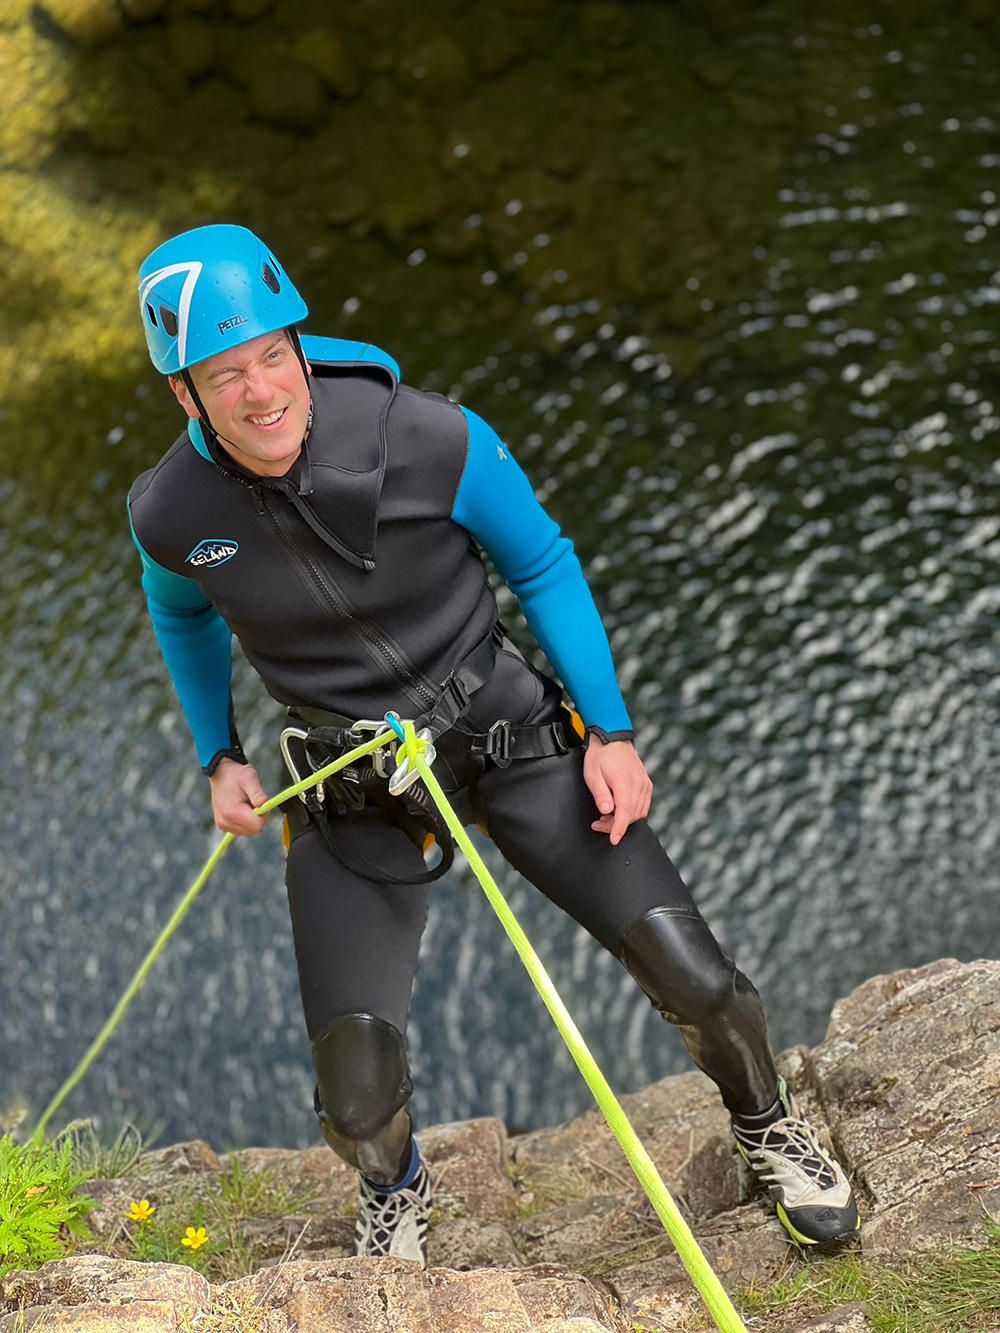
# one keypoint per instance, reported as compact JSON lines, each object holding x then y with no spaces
{"x":787,"y":505}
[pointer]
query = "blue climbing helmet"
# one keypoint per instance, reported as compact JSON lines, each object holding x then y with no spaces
{"x":209,"y":290}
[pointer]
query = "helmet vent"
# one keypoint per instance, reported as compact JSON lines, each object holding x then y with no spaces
{"x":169,"y":321}
{"x":270,"y":278}
{"x":152,"y":314}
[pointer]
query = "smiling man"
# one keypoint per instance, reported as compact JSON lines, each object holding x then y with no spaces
{"x":332,"y":517}
{"x":258,"y":399}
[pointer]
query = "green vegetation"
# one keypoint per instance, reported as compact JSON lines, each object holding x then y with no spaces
{"x":40,"y":1209}
{"x":205,"y":1222}
{"x":109,"y":1160}
{"x":541,"y":1186}
{"x":951,"y":1291}
{"x":948,"y":1291}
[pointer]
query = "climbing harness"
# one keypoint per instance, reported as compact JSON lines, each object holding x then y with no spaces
{"x":316,"y":737}
{"x":381,"y":781}
{"x":416,"y":751}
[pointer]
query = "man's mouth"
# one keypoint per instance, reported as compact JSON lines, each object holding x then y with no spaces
{"x":270,"y":419}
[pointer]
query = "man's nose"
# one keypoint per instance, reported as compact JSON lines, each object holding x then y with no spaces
{"x":255,"y":384}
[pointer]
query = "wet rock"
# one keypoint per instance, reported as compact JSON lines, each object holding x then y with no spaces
{"x":715,"y":70}
{"x":180,"y":1159}
{"x":287,"y":94}
{"x":743,"y":1246}
{"x":713,"y":1180}
{"x":191,"y":46}
{"x":497,"y":42}
{"x":113,"y":1198}
{"x":325,"y":1183}
{"x":328,"y":56}
{"x":844,"y":1319}
{"x":605,"y":24}
{"x":89,"y":22}
{"x":192,"y":1166}
{"x":14,"y":11}
{"x":436,"y":70}
{"x":416,"y":203}
{"x":468,"y":1165}
{"x":93,"y":1294}
{"x":141,"y":11}
{"x":590,"y":1230}
{"x":905,"y":1084}
{"x":675,"y":1119}
{"x":909,"y":1072}
{"x":137,"y":1317}
{"x":346,"y":201}
{"x":568,"y":1326}
{"x":319,"y":1235}
{"x":465,"y":1244}
{"x":33,"y":97}
{"x":248,"y":10}
{"x":97,"y":1294}
{"x":356,"y":1294}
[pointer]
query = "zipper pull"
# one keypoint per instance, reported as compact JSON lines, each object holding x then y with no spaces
{"x":258,"y":497}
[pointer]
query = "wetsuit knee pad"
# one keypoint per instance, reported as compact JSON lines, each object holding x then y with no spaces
{"x":678,"y":962}
{"x":362,"y":1075}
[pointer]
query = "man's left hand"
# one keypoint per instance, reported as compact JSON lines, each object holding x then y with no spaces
{"x":618,"y":783}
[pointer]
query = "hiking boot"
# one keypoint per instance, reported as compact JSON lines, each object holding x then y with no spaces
{"x":811,"y":1193}
{"x":394,"y":1221}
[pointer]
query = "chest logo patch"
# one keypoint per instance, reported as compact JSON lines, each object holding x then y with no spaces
{"x":212,"y":551}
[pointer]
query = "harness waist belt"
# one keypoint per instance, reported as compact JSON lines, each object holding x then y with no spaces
{"x":470,"y":675}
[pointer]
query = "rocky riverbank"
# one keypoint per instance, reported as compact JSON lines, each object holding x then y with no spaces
{"x":549,"y":1233}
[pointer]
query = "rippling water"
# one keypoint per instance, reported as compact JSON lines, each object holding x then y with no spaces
{"x":789,"y":516}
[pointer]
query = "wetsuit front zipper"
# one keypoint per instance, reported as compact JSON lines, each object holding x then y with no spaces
{"x":401,"y":672}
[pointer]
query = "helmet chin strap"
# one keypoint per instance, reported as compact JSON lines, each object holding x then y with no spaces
{"x":293,"y":338}
{"x":203,"y":417}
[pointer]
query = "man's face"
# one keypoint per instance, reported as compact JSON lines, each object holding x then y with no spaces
{"x":257,"y":399}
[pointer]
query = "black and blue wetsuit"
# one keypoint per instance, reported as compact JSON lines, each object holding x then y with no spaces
{"x":355,"y":585}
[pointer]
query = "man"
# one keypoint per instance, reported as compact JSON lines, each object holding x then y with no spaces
{"x":330,"y":516}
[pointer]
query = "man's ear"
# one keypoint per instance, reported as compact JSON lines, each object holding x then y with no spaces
{"x":183,"y":395}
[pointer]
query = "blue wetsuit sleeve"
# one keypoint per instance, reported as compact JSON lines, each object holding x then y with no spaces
{"x":495,"y":503}
{"x":196,"y":644}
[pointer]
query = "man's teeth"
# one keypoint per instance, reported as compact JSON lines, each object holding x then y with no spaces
{"x":266,"y":421}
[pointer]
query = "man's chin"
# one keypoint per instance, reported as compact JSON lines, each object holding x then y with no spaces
{"x":282,"y":450}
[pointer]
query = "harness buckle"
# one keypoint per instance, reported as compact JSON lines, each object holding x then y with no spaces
{"x":497,"y":745}
{"x":452,"y":703}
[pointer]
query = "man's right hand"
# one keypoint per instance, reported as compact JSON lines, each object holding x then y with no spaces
{"x":236,"y":790}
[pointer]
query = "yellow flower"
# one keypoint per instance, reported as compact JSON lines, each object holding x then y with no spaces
{"x":194,"y":1238}
{"x":141,"y":1211}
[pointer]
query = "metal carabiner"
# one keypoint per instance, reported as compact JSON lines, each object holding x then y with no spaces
{"x":298,"y":734}
{"x":405,"y":775}
{"x":379,"y":756}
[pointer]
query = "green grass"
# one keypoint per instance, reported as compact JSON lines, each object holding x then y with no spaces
{"x":950,"y":1291}
{"x":43,"y":1210}
{"x":107,"y":1160}
{"x":222,"y":1207}
{"x":543,"y":1186}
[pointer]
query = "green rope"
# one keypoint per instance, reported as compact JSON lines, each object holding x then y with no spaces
{"x":712,"y":1292}
{"x":709,"y":1287}
{"x":101,"y":1040}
